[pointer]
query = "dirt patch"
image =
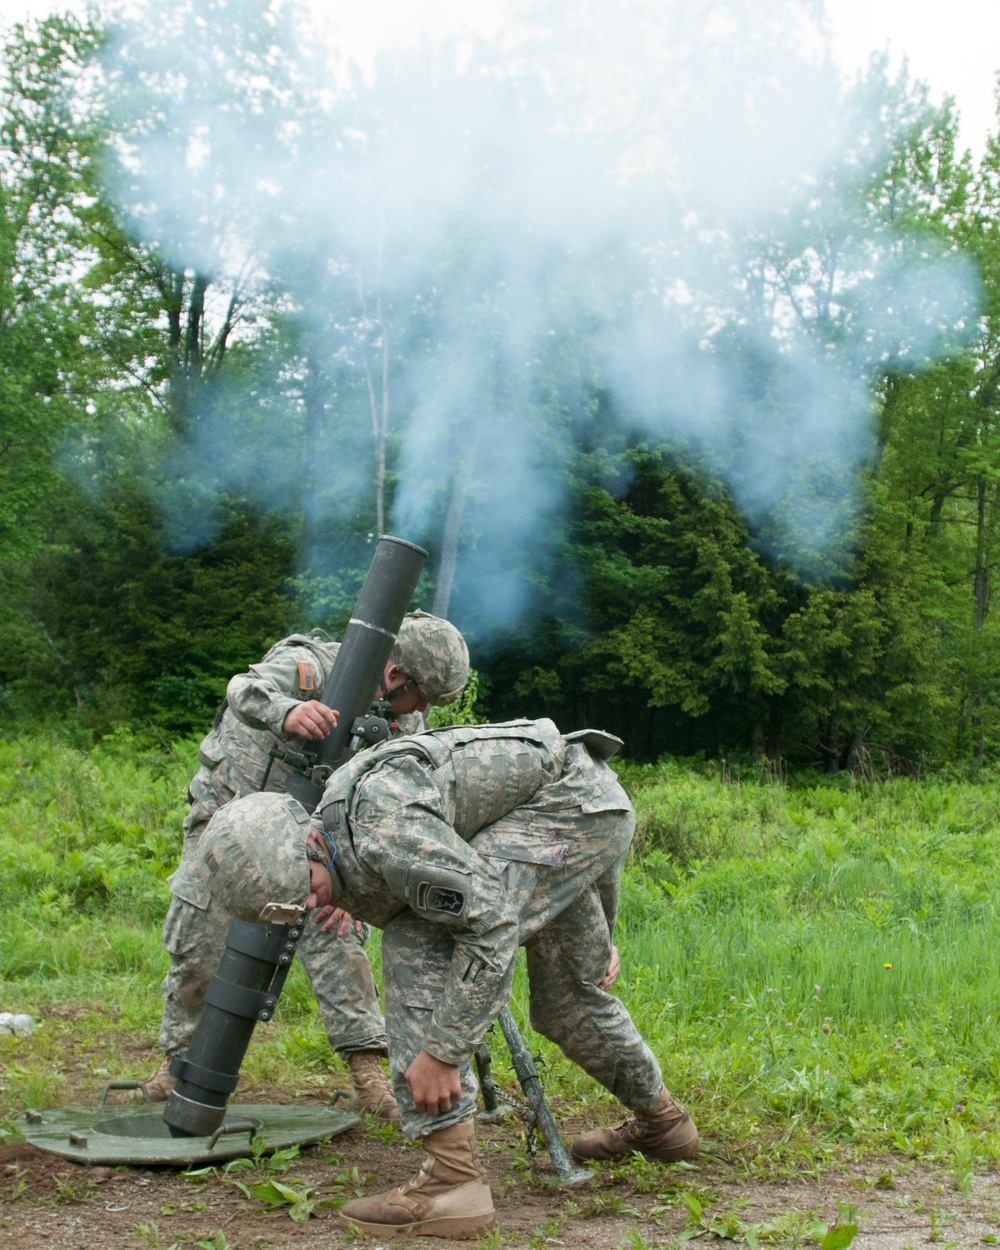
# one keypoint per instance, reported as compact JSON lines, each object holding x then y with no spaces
{"x":47,"y":1202}
{"x":33,"y":1175}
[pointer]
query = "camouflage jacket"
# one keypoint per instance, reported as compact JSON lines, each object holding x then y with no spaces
{"x":235,"y":752}
{"x":431,"y":822}
{"x":234,"y":755}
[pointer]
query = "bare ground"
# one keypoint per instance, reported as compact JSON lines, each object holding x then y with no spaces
{"x":47,"y":1202}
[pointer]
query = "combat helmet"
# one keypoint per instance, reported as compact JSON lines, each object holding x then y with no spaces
{"x":255,"y":850}
{"x":432,"y":651}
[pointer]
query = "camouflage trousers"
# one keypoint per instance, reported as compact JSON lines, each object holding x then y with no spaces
{"x":338,"y":970}
{"x":567,"y":918}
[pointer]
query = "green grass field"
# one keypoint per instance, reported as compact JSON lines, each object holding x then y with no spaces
{"x":814,"y":963}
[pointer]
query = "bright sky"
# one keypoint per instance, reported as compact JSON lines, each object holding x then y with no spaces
{"x":955,"y":48}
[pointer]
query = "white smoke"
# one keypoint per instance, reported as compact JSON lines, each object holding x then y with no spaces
{"x":662,"y":203}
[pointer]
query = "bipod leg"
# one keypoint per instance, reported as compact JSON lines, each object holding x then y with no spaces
{"x":487,"y":1086}
{"x":540,"y":1116}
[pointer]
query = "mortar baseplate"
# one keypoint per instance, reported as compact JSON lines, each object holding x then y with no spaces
{"x":138,"y":1137}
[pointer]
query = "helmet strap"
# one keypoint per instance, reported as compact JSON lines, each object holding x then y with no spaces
{"x":317,"y":856}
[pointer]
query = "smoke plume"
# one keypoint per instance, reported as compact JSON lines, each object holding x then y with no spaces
{"x":670,"y":206}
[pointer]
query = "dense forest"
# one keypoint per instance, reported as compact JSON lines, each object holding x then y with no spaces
{"x":626,"y":449}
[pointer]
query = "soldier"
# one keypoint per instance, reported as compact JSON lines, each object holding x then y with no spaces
{"x":462,"y":843}
{"x":275,"y":703}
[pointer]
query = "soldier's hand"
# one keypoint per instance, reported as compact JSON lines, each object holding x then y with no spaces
{"x":336,"y":918}
{"x":611,"y":976}
{"x":311,"y":719}
{"x":434,"y":1085}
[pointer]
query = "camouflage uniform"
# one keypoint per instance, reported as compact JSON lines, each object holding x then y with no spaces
{"x":463,"y":844}
{"x":234,"y":759}
{"x":493,"y":837}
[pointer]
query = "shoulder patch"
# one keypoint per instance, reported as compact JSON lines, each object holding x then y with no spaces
{"x":439,"y":898}
{"x":306,"y":681}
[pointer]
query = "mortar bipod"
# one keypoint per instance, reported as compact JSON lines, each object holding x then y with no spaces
{"x":538,"y":1117}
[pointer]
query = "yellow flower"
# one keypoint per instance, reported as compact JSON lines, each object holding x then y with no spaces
{"x":887,"y":965}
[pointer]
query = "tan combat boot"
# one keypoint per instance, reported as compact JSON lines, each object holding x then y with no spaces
{"x":372,"y":1091}
{"x":663,"y":1132}
{"x":449,"y":1196}
{"x":161,"y":1084}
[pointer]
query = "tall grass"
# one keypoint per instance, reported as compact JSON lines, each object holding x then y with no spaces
{"x":817,"y":961}
{"x":87,"y":834}
{"x":814,"y":963}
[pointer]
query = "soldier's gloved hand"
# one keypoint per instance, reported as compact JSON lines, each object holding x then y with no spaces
{"x":335,"y":917}
{"x":611,"y":976}
{"x":434,"y":1085}
{"x":311,"y":719}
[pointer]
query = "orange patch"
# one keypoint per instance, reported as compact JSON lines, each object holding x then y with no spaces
{"x":306,"y":675}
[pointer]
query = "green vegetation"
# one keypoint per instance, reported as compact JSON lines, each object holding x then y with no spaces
{"x":192,"y":464}
{"x":646,"y":509}
{"x":811,"y":961}
{"x":814,"y":960}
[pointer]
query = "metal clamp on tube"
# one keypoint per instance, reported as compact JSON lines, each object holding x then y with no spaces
{"x":244,"y":990}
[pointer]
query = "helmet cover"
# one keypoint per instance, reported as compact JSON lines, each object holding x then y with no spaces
{"x":432,"y":651}
{"x":255,"y":850}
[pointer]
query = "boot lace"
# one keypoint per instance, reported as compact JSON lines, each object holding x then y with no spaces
{"x":641,"y":1127}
